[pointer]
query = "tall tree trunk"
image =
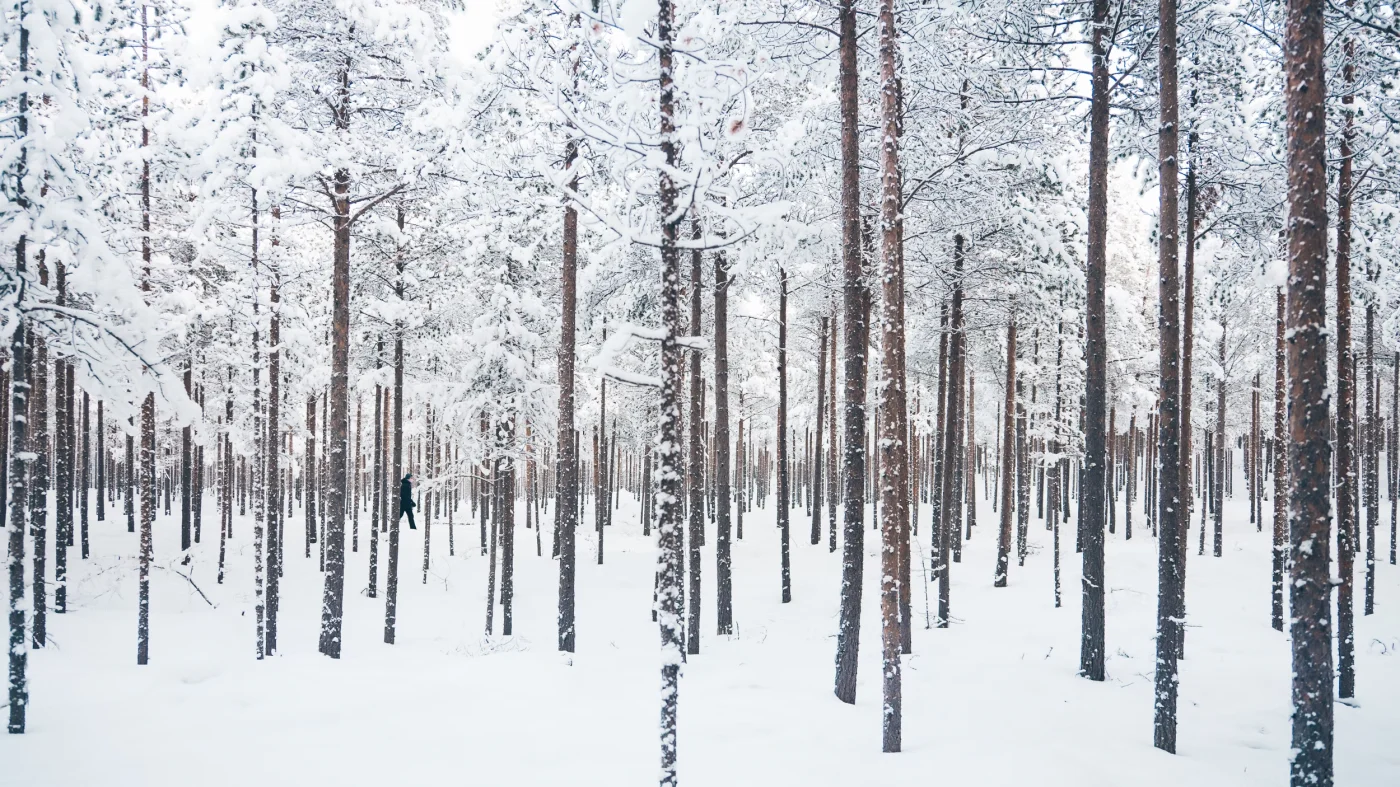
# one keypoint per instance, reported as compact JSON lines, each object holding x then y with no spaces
{"x":148,"y":407}
{"x":1392,"y":466}
{"x":39,"y":488}
{"x":668,"y":495}
{"x":1171,"y":574}
{"x":1280,"y":550}
{"x":1092,"y":489}
{"x":332,"y":606}
{"x":273,"y":443}
{"x":724,"y":610}
{"x":378,"y":473}
{"x":1220,"y":468}
{"x":63,"y":478}
{"x":391,"y":580}
{"x":566,"y":474}
{"x":695,"y":462}
{"x":816,"y":467}
{"x":853,"y":299}
{"x":1374,"y":438}
{"x":893,"y":446}
{"x":947,"y":525}
{"x":784,"y":479}
{"x":18,"y":455}
{"x":832,"y":469}
{"x":1346,"y":408}
{"x":1008,"y":460}
{"x":1309,"y":452}
{"x":100,"y":461}
{"x":83,"y":481}
{"x":308,"y":472}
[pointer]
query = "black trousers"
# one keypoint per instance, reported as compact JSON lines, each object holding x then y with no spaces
{"x":409,"y":511}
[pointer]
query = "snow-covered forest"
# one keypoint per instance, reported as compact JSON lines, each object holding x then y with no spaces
{"x":1012,"y":385}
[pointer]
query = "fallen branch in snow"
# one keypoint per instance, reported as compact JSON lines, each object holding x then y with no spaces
{"x":190,"y":580}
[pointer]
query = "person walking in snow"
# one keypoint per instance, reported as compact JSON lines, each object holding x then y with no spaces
{"x":406,"y":500}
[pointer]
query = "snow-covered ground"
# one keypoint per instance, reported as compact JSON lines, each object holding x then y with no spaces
{"x":993,"y":700}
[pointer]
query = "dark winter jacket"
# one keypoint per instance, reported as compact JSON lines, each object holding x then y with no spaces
{"x":405,"y":494}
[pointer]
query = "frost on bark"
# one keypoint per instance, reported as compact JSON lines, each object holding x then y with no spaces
{"x":1008,"y":461}
{"x":724,"y":610}
{"x":1170,"y":566}
{"x":784,"y":478}
{"x":1093,"y":487}
{"x":816,"y":466}
{"x":566,"y":472}
{"x":1310,"y":459}
{"x":1346,"y":406}
{"x":854,"y":316}
{"x":695,"y":462}
{"x":893,"y":446}
{"x":668,"y":450}
{"x":1280,"y":545}
{"x":18,"y":466}
{"x":947,"y":523}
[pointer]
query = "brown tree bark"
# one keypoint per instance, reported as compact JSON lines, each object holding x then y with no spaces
{"x":854,"y":307}
{"x":1220,"y":469}
{"x":1171,"y":574}
{"x":1280,"y":550}
{"x":391,"y":580}
{"x":566,"y":473}
{"x":816,"y":466}
{"x":784,"y":478}
{"x":669,"y":521}
{"x":273,"y":447}
{"x":1008,"y":461}
{"x":724,"y":582}
{"x":17,"y":454}
{"x":893,"y":449}
{"x":148,"y":407}
{"x":1346,"y":408}
{"x":947,"y":511}
{"x":1093,"y":485}
{"x":695,"y":462}
{"x":1309,"y":453}
{"x":62,"y":464}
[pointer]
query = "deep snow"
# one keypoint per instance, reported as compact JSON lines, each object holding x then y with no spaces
{"x":993,"y":700}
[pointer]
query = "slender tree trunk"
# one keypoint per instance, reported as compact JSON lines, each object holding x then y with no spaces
{"x":566,"y":475}
{"x":1092,"y":489}
{"x":377,"y":481}
{"x":893,"y":446}
{"x":1008,"y":460}
{"x":832,"y":469}
{"x":696,"y":461}
{"x":947,"y":525}
{"x":784,"y":479}
{"x":1309,"y":453}
{"x":1171,"y":574}
{"x":853,"y":298}
{"x":100,"y":461}
{"x":1346,"y":406}
{"x":668,"y":495}
{"x":1220,"y":471}
{"x":1280,"y":550}
{"x":332,"y":607}
{"x":148,"y":407}
{"x":816,"y":467}
{"x":63,"y":478}
{"x":391,"y":581}
{"x":18,"y":455}
{"x":273,"y":445}
{"x":724,"y":611}
{"x":83,"y":481}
